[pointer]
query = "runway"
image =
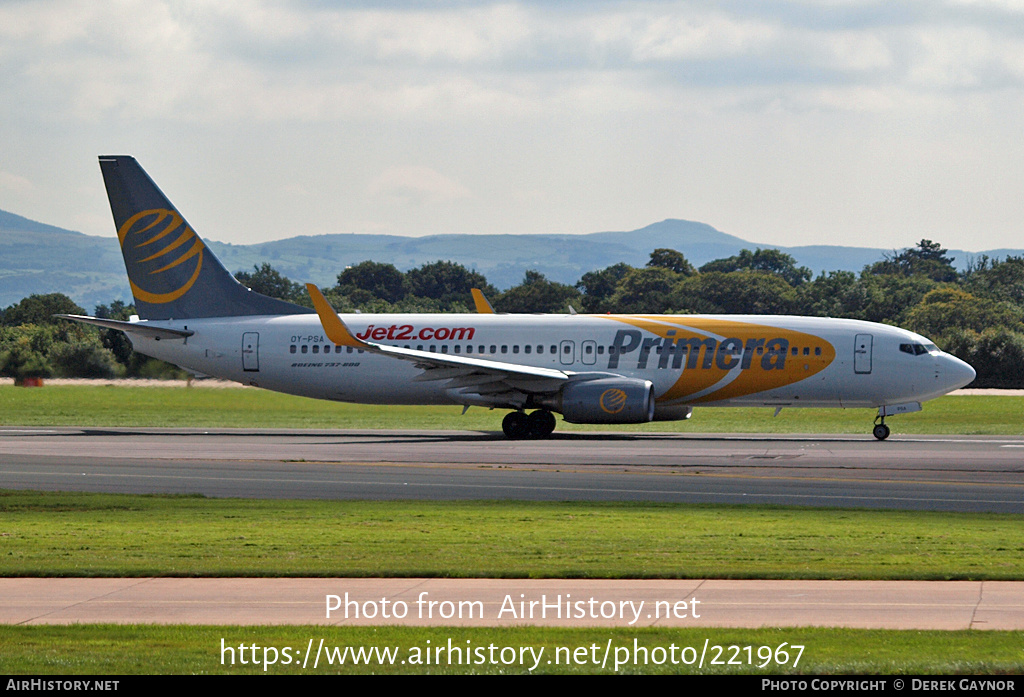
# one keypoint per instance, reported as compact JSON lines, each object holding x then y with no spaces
{"x":946,"y":473}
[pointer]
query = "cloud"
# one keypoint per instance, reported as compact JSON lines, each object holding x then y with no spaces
{"x":417,"y":185}
{"x":14,"y":183}
{"x":215,"y":62}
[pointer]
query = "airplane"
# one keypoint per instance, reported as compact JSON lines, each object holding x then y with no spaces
{"x":591,"y":369}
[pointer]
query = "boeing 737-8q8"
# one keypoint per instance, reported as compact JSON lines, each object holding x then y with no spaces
{"x":597,"y":369}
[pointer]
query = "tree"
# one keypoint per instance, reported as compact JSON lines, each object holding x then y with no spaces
{"x":672,"y":260}
{"x":447,"y":282}
{"x":999,"y":280}
{"x":947,"y":307}
{"x":645,"y":290}
{"x":835,"y":294}
{"x":113,"y":340}
{"x":537,"y":294}
{"x":927,"y":259}
{"x":382,"y":281}
{"x":767,"y":260}
{"x":40,"y":309}
{"x":266,"y":280}
{"x":599,"y":286}
{"x":888,"y":298}
{"x":739,"y":292}
{"x":21,"y":361}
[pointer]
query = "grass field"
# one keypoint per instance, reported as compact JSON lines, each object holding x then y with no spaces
{"x":247,"y":408}
{"x":77,"y":534}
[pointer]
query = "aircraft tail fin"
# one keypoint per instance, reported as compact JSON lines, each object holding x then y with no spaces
{"x":173,"y":274}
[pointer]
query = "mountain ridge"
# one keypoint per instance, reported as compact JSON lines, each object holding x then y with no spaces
{"x":39,"y":258}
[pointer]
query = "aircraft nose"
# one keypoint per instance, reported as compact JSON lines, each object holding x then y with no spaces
{"x":955,"y":373}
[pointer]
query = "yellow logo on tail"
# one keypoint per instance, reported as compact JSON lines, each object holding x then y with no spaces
{"x":183,"y":248}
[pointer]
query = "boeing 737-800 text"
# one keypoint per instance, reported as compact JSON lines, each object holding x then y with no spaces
{"x":598,"y":369}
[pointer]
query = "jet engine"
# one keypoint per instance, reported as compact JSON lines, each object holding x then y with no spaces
{"x":612,"y":400}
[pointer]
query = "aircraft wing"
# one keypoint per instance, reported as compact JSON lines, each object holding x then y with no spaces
{"x":481,"y":381}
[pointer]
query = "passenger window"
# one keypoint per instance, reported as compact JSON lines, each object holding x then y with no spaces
{"x":515,"y":349}
{"x":817,"y":350}
{"x":293,"y":348}
{"x":527,"y":348}
{"x":458,"y":349}
{"x":316,"y":348}
{"x":494,"y":349}
{"x":554,"y":349}
{"x":444,"y":348}
{"x":807,"y":350}
{"x":305,"y":348}
{"x":504,"y":349}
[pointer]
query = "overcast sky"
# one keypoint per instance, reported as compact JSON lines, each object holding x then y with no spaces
{"x":835,"y":122}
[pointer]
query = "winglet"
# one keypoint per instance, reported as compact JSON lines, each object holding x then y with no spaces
{"x":335,"y":329}
{"x":482,"y":306}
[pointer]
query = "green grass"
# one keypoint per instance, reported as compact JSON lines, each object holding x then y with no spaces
{"x":79,"y":534}
{"x":127,"y":650}
{"x":245,"y":408}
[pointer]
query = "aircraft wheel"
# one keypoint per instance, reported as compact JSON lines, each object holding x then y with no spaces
{"x":881,"y":431}
{"x":516,"y":425}
{"x":541,"y":423}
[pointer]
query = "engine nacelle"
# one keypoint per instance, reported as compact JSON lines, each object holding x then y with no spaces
{"x":608,"y":401}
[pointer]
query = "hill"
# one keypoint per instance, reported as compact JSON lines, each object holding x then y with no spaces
{"x":40,"y":258}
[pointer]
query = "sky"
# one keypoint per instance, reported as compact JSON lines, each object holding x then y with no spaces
{"x":782,"y":122}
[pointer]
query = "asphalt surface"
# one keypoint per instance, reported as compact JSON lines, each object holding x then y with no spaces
{"x":974,"y":473}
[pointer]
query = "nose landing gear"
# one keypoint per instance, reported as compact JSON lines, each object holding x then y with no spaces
{"x":881,"y":431}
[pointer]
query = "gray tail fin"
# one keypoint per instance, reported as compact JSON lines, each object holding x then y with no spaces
{"x":173,"y":274}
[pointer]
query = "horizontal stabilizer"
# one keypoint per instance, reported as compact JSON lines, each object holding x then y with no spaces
{"x":131,"y":327}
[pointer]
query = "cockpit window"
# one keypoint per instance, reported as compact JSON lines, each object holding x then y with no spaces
{"x":915,"y":349}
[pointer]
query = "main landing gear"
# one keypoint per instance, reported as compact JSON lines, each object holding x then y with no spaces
{"x":518,"y":426}
{"x":881,"y":431}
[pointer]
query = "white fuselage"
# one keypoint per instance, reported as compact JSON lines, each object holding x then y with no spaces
{"x":691,"y":360}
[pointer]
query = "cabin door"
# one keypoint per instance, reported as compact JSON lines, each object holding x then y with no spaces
{"x":862,"y":354}
{"x":251,"y":352}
